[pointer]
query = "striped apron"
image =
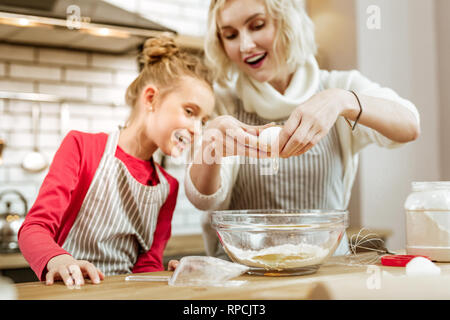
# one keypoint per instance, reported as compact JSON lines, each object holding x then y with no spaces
{"x":118,"y":216}
{"x":313,"y":180}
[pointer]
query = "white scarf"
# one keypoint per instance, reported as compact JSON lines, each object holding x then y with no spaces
{"x":261,"y":98}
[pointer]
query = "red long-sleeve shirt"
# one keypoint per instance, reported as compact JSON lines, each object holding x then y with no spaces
{"x":61,"y":195}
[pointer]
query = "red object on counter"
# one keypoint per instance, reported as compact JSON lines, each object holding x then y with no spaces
{"x":400,"y":260}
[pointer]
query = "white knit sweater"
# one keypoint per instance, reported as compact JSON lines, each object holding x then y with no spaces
{"x":351,"y":142}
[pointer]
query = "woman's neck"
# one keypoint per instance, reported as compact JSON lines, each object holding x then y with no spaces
{"x":282,"y":82}
{"x":134,"y":142}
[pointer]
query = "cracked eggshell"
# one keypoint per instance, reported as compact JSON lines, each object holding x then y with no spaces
{"x":269,"y":135}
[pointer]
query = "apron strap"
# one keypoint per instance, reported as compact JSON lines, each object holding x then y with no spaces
{"x":111,"y":143}
{"x":111,"y":146}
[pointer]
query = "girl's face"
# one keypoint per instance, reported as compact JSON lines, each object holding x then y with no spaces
{"x":179,"y":115}
{"x":247,"y":34}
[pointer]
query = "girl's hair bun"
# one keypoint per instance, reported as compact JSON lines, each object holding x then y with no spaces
{"x":162,"y":62}
{"x":157,"y":49}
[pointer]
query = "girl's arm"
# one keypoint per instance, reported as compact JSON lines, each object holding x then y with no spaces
{"x":38,"y":233}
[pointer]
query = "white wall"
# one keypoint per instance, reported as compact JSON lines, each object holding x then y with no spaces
{"x":401,"y":55}
{"x":443,"y":41}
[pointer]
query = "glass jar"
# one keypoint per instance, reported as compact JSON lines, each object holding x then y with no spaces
{"x":428,"y":220}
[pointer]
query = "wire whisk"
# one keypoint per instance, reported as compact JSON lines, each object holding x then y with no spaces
{"x":364,"y":249}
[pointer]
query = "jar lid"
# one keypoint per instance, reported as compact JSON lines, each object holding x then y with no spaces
{"x":430,"y":185}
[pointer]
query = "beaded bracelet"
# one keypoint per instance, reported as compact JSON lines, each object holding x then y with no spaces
{"x":359,"y":115}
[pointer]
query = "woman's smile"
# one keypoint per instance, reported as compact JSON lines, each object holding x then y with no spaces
{"x":255,"y":61}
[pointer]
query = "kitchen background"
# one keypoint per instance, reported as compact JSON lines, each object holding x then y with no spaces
{"x":407,"y":50}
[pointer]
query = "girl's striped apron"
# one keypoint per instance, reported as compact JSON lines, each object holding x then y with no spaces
{"x":118,"y":216}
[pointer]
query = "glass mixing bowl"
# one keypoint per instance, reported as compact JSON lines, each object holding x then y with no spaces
{"x":280,"y":242}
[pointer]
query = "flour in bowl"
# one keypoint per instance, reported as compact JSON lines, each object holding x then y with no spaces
{"x":281,"y":257}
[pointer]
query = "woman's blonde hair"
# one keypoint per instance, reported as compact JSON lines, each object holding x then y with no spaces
{"x":163,"y":64}
{"x":294,"y":34}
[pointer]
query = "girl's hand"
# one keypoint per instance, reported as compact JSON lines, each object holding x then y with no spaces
{"x":173,"y":264}
{"x":226,"y":136}
{"x":310,"y":122}
{"x":71,"y":271}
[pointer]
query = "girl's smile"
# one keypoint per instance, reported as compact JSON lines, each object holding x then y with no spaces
{"x":181,"y":139}
{"x":179,"y":116}
{"x":170,"y":121}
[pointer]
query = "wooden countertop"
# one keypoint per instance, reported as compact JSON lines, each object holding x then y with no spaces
{"x":331,"y":281}
{"x":178,"y":245}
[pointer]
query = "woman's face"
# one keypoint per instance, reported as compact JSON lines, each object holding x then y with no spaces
{"x":247,"y":34}
{"x":179,"y":115}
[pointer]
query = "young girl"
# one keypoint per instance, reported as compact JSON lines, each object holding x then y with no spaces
{"x":105,"y":207}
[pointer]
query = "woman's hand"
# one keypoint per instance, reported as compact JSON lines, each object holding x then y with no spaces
{"x":309,"y":123}
{"x":71,"y":271}
{"x":226,"y":136}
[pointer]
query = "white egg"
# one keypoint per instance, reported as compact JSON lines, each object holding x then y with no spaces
{"x":269,"y":135}
{"x":420,"y":266}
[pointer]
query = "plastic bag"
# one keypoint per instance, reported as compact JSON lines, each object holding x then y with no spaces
{"x":206,"y":271}
{"x":200,"y":271}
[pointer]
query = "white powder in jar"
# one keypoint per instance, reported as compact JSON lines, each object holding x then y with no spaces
{"x":281,"y":257}
{"x":428,"y":229}
{"x":428,"y":220}
{"x":428,"y":234}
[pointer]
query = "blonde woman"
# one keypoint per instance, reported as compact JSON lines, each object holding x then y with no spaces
{"x":262,"y":52}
